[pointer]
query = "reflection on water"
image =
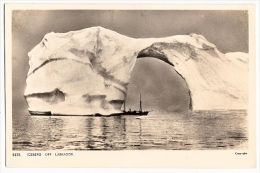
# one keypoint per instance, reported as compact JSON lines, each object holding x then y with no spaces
{"x":187,"y":131}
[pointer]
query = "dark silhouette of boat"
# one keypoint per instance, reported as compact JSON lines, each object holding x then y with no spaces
{"x":40,"y":112}
{"x":134,"y":112}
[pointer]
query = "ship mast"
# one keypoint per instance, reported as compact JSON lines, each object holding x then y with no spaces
{"x":124,"y":106}
{"x":140,"y":103}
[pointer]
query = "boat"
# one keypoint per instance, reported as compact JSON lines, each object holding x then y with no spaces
{"x":134,"y":112}
{"x":40,"y":112}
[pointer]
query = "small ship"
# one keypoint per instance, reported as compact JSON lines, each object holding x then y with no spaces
{"x":134,"y":112}
{"x":40,"y":112}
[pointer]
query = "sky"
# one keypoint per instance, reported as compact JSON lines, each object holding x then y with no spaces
{"x":228,"y":30}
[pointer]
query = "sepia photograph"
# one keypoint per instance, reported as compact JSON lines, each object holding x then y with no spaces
{"x":130,"y":79}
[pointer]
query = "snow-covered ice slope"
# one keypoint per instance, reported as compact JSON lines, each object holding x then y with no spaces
{"x":87,"y":71}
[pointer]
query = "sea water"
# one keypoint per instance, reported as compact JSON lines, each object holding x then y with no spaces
{"x":197,"y":130}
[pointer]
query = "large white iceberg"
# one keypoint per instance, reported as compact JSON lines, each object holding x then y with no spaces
{"x":87,"y":71}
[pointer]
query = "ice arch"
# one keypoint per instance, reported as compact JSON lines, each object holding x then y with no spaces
{"x":163,"y":89}
{"x":142,"y":55}
{"x":213,"y":80}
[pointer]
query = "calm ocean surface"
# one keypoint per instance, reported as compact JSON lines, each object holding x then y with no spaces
{"x":200,"y":130}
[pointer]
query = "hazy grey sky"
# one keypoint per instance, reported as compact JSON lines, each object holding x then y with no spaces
{"x":228,"y":30}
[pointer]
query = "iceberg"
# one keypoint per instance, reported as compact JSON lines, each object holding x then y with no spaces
{"x":87,"y":71}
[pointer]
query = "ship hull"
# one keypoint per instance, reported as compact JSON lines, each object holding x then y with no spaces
{"x":132,"y":113}
{"x":40,"y":112}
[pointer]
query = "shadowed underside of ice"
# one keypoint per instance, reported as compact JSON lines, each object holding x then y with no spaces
{"x":87,"y":71}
